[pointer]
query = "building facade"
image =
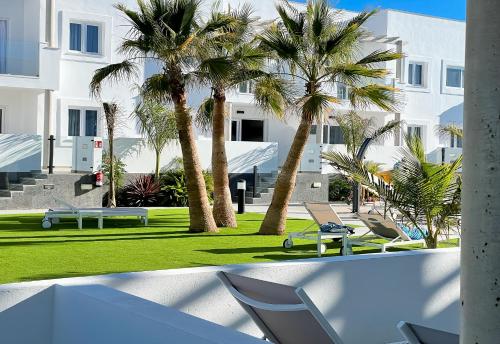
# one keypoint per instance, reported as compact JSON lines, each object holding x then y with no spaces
{"x":49,"y":50}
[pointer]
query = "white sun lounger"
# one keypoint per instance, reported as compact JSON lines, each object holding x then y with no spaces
{"x":322,"y":213}
{"x":416,"y":334}
{"x":285,"y":314}
{"x":69,"y":211}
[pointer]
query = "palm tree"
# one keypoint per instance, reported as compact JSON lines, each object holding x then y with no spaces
{"x":421,"y":191}
{"x":313,"y":48}
{"x":157,"y":125}
{"x":228,"y":61}
{"x":171,"y":33}
{"x":359,"y":133}
{"x":111,"y":112}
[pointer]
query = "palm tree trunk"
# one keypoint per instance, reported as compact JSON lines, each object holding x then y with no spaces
{"x":223,"y":206}
{"x":112,"y":187}
{"x":157,"y":165}
{"x":275,"y":220}
{"x":200,"y":214}
{"x":480,"y":253}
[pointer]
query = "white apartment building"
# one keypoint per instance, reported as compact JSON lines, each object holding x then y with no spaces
{"x":49,"y":50}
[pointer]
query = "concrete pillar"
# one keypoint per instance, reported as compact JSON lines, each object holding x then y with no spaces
{"x":480,"y":257}
{"x":51,"y":24}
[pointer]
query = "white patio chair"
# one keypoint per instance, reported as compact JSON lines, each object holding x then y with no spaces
{"x":416,"y":334}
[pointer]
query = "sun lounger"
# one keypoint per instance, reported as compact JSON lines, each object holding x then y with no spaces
{"x":416,"y":334}
{"x":384,"y":228}
{"x":285,"y":314}
{"x":322,"y":213}
{"x":68,"y":211}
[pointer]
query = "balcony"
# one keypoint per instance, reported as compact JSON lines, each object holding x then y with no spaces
{"x":21,"y":59}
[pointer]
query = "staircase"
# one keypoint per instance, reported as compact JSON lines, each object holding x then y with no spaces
{"x":13,"y":183}
{"x":264,"y":189}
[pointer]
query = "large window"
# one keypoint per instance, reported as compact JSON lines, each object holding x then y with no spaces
{"x":342,"y":91}
{"x":74,"y":122}
{"x":333,"y":135}
{"x":84,"y":38}
{"x":456,"y":141}
{"x":416,"y":74}
{"x":455,"y":77}
{"x":82,"y":122}
{"x":246,"y":87}
{"x":415,"y":130}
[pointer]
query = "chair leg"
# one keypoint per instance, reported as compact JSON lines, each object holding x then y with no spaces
{"x":80,"y":222}
{"x":100,"y":221}
{"x":319,"y":245}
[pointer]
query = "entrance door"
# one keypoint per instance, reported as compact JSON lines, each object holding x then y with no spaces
{"x":252,"y":130}
{"x":3,"y":46}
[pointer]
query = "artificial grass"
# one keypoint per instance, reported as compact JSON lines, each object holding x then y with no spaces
{"x":27,"y":252}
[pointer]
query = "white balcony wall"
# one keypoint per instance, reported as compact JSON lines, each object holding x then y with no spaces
{"x":241,"y":156}
{"x":363,"y":297}
{"x":20,"y":153}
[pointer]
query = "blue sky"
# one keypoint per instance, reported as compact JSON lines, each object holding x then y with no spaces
{"x":454,"y":9}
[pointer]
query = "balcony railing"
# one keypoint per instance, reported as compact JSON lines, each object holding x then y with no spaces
{"x":20,"y":58}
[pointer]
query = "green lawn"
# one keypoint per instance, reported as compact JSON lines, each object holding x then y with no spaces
{"x":29,"y":253}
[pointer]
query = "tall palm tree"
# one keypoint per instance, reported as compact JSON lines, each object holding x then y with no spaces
{"x":228,"y":61}
{"x":111,"y":112}
{"x":171,"y":33}
{"x":157,"y":125}
{"x":421,"y":191}
{"x":313,"y":47}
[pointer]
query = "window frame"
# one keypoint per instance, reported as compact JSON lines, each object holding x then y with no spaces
{"x":83,"y":120}
{"x":83,"y":37}
{"x":250,"y":87}
{"x":327,"y":130}
{"x":413,"y":74}
{"x":450,"y":90}
{"x":461,"y":69}
{"x":346,"y":88}
{"x":412,"y":126}
{"x":426,"y":63}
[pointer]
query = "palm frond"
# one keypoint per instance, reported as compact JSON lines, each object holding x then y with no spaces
{"x":380,"y":95}
{"x":204,"y":115}
{"x":450,"y":130}
{"x":378,"y":56}
{"x":273,"y":94}
{"x":112,"y":73}
{"x":386,"y":130}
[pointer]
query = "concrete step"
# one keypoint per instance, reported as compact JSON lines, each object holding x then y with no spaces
{"x":16,"y":187}
{"x":28,"y":181}
{"x":5,"y":193}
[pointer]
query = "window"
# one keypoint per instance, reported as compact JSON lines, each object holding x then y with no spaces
{"x":415,"y":131}
{"x":246,"y":87}
{"x":82,"y":122}
{"x":3,"y":46}
{"x":415,"y":74}
{"x":455,"y":77}
{"x":314,"y":129}
{"x":90,"y":123}
{"x":84,"y":38}
{"x":342,"y":91}
{"x":333,"y":135}
{"x":456,"y":141}
{"x":74,"y":122}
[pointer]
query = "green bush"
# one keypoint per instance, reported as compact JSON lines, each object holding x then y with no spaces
{"x":119,"y":170}
{"x":339,"y":189}
{"x":174,"y":188}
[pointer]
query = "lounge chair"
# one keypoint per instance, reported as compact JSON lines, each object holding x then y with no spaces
{"x":322,"y":213}
{"x":285,"y":314}
{"x":384,"y":228}
{"x":416,"y":334}
{"x":69,"y":211}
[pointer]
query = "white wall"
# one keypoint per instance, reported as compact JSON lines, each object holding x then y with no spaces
{"x":241,"y":156}
{"x":363,"y":297}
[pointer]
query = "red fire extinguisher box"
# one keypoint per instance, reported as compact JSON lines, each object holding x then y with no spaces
{"x":99,"y":178}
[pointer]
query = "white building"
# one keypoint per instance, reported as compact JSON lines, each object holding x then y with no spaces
{"x":50,"y":49}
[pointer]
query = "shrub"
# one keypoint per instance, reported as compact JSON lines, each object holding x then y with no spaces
{"x":119,"y":170}
{"x":174,"y":188}
{"x":339,"y":189}
{"x":144,"y":191}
